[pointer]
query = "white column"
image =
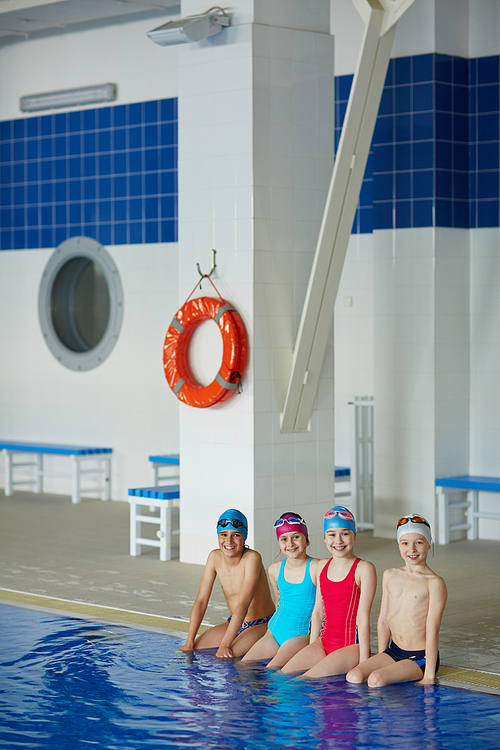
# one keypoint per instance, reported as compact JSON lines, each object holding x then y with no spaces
{"x":404,"y":352}
{"x":255,"y":159}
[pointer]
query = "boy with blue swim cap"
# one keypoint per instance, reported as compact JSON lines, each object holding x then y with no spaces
{"x":413,"y":601}
{"x":244,"y":583}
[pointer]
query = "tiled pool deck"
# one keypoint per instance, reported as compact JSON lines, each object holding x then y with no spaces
{"x":69,"y":558}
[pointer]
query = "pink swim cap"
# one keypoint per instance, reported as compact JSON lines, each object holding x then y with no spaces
{"x":290,"y":523}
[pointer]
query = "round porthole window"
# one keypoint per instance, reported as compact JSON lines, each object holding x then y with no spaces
{"x":80,"y":303}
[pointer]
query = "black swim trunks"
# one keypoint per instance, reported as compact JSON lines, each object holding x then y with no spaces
{"x":398,"y":654}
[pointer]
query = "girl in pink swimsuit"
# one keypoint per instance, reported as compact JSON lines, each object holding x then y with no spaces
{"x":340,"y":625}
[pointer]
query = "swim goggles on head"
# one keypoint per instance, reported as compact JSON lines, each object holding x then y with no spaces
{"x":406,"y":526}
{"x":342,"y":513}
{"x":413,"y":519}
{"x":339,"y":517}
{"x":290,"y":519}
{"x":235,"y":523}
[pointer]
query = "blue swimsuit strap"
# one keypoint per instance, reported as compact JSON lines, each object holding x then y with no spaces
{"x":282,"y":573}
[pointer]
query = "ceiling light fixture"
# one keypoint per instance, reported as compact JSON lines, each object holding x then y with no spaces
{"x":191,"y":28}
{"x":104,"y":92}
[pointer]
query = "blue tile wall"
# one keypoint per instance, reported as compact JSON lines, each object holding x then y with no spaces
{"x":108,"y":173}
{"x":111,"y":173}
{"x":484,"y":141}
{"x":435,"y":153}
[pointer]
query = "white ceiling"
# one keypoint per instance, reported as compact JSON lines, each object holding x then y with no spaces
{"x":24,"y":19}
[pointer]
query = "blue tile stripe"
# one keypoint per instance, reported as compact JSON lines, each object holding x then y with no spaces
{"x":108,"y":173}
{"x":434,"y":158}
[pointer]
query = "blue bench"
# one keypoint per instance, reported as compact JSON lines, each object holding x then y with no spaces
{"x":161,"y":497}
{"x":164,"y":497}
{"x":342,"y":474}
{"x":99,"y":474}
{"x":449,"y":494}
{"x":169,"y":461}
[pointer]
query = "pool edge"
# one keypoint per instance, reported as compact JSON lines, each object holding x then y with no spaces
{"x":95,"y":611}
{"x":457,"y":677}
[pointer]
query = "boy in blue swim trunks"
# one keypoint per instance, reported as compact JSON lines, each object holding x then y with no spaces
{"x":246,"y":589}
{"x":413,"y":602}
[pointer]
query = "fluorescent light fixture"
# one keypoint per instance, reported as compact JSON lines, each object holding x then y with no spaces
{"x":104,"y":92}
{"x":192,"y":28}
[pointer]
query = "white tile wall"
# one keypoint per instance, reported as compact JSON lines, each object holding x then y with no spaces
{"x":125,"y":403}
{"x":452,"y":345}
{"x":436,"y":367}
{"x":403,"y":348}
{"x":281,"y":190}
{"x":353,"y":325}
{"x":123,"y":54}
{"x":484,"y":30}
{"x":485,"y":367}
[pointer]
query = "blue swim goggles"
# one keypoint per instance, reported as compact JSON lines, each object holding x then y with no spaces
{"x":290,"y":520}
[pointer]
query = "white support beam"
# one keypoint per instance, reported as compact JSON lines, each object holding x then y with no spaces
{"x":340,"y":209}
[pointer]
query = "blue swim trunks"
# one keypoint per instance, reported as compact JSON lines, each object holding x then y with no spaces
{"x":251,"y":623}
{"x":398,"y":654}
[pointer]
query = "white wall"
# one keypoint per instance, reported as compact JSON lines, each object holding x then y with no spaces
{"x":125,"y":403}
{"x":485,"y":367}
{"x":468,"y":28}
{"x":347,"y":27}
{"x":484,"y":31}
{"x":404,"y":375}
{"x":353,"y":337}
{"x":421,"y":334}
{"x":121,"y":54}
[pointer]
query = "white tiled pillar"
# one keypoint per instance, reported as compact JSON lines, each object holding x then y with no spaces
{"x":255,"y":159}
{"x":421,"y":372}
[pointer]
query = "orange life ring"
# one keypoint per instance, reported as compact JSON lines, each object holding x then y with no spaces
{"x":234,"y":352}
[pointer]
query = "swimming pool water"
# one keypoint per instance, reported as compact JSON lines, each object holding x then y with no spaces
{"x":67,"y":683}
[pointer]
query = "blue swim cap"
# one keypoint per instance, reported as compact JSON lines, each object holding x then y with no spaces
{"x":233,"y":519}
{"x":339,"y":517}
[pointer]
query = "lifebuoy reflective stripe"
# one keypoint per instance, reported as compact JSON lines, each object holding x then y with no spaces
{"x":234,"y":352}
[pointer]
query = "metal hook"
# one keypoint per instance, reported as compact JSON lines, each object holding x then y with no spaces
{"x":214,"y":266}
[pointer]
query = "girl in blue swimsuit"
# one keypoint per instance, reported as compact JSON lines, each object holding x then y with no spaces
{"x":294,"y":584}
